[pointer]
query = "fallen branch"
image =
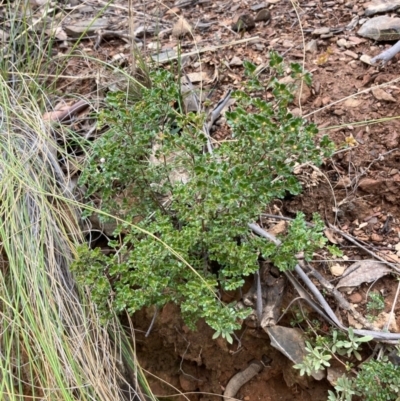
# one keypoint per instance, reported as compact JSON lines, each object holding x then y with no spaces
{"x":377,"y":335}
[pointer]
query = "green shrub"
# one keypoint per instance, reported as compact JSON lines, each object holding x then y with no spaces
{"x":152,"y":168}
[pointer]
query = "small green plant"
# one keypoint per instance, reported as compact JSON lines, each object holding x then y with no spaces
{"x":344,"y":390}
{"x":319,"y":354}
{"x":378,"y":381}
{"x":375,"y":380}
{"x":152,"y":168}
{"x":375,"y":305}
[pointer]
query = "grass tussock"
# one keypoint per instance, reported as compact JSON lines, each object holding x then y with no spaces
{"x":51,"y":342}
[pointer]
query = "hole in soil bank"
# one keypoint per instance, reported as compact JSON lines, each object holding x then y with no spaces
{"x":201,"y":367}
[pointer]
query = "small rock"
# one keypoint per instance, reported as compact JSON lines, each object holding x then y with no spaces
{"x":321,"y":31}
{"x":257,"y":7}
{"x":356,"y":40}
{"x":334,"y":373}
{"x":366,"y":59}
{"x":351,"y":54}
{"x":153,"y":45}
{"x":352,"y":102}
{"x":370,"y":185}
{"x":164,"y":56}
{"x":235,"y":62}
{"x":355,"y":298}
{"x":381,"y":28}
{"x":263,"y":15}
{"x":85,"y":27}
{"x":288,"y":44}
{"x":381,"y":6}
{"x":338,"y":112}
{"x":243,"y":23}
{"x":145,"y":30}
{"x":185,"y":3}
{"x":181,"y":28}
{"x":259,"y":46}
{"x":337,"y":269}
{"x":341,"y":42}
{"x":312,"y":46}
{"x":296,"y":112}
{"x":376,"y":237}
{"x":326,"y":100}
{"x":173,"y":10}
{"x":302,"y":95}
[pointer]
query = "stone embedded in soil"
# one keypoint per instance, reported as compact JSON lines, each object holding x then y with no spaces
{"x":257,"y":7}
{"x":321,"y":31}
{"x":381,"y":6}
{"x":381,"y":28}
{"x":236,"y":62}
{"x":85,"y":27}
{"x":351,"y":54}
{"x":376,"y":237}
{"x":312,"y":46}
{"x":355,"y":298}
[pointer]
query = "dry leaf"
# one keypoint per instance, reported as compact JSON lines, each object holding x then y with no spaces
{"x":380,"y":94}
{"x":290,"y":342}
{"x":330,"y":235}
{"x":363,"y":271}
{"x":324,"y":57}
{"x":198,"y":77}
{"x":382,"y":320}
{"x":350,"y":140}
{"x":278,"y":228}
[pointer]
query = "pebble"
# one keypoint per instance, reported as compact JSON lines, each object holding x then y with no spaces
{"x":366,"y":59}
{"x":235,"y":62}
{"x":257,"y":7}
{"x":376,"y":237}
{"x":355,"y":298}
{"x":312,"y":46}
{"x":321,"y":31}
{"x":351,"y":54}
{"x":85,"y":26}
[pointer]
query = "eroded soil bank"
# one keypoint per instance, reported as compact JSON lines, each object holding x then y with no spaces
{"x":193,"y":363}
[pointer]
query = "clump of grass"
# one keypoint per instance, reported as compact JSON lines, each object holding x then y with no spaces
{"x":52,"y":344}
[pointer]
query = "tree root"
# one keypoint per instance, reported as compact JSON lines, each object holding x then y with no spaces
{"x":241,"y":378}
